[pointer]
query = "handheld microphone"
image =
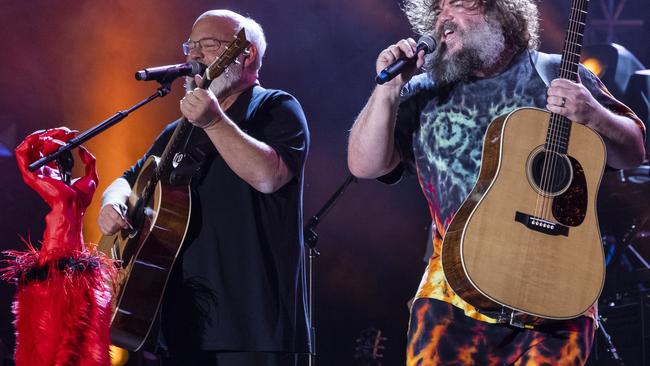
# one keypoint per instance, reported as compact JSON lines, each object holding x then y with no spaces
{"x":170,"y":72}
{"x":425,"y":43}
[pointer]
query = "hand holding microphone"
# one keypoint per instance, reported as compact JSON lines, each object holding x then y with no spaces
{"x":401,"y":56}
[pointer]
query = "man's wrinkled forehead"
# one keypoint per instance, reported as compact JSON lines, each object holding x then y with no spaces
{"x":216,"y":25}
{"x":436,"y":5}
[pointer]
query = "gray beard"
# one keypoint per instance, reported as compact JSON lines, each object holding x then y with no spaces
{"x":482,"y":47}
{"x":223,"y":84}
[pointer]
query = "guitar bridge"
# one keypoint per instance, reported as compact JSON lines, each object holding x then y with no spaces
{"x":541,"y":225}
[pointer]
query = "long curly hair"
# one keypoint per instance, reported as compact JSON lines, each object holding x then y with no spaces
{"x":519,"y":18}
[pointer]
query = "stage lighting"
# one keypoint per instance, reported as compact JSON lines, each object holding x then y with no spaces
{"x":613,"y":64}
{"x":7,"y":137}
{"x":623,"y":74}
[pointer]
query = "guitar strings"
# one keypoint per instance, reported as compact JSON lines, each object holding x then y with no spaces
{"x":558,"y":125}
{"x":540,"y":207}
{"x":554,"y":132}
{"x":574,"y":45}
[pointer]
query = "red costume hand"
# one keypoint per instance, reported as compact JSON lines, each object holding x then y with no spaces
{"x":68,"y":202}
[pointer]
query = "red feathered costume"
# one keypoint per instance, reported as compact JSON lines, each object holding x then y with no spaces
{"x":63,"y":302}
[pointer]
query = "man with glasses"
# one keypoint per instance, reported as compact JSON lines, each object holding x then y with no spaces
{"x":236,"y":295}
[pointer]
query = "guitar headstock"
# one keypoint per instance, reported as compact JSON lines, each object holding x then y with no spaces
{"x":228,"y":56}
{"x":369,"y":348}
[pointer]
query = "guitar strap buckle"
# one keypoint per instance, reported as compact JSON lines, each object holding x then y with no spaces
{"x":513,"y":318}
{"x":514,"y":322}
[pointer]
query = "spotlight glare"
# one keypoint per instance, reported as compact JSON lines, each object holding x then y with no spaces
{"x":594,"y":65}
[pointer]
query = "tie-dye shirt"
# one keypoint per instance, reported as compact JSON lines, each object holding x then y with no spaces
{"x":439,"y":135}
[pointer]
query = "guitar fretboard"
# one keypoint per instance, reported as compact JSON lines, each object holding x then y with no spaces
{"x":559,"y":130}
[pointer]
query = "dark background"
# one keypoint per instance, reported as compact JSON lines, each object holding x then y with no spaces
{"x":71,"y":63}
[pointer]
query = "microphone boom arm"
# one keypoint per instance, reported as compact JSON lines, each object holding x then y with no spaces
{"x":163,"y":90}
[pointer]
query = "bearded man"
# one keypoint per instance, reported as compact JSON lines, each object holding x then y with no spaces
{"x":433,"y":125}
{"x":236,"y":295}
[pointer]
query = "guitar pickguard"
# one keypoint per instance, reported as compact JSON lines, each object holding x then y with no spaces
{"x":570,"y":208}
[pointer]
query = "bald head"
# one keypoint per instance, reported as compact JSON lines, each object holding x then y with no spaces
{"x":254,"y":32}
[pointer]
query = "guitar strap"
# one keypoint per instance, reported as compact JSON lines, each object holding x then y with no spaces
{"x":193,"y":158}
{"x":197,"y":151}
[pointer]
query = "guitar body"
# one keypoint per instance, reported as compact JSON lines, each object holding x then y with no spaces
{"x":514,"y":245}
{"x":147,"y":256}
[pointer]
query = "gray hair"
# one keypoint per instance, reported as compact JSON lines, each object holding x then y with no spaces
{"x":254,"y":31}
{"x":519,"y":18}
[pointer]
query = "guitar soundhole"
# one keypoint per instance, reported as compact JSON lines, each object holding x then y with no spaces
{"x":549,"y":173}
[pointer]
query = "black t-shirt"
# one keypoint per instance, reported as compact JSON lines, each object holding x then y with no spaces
{"x":239,"y":284}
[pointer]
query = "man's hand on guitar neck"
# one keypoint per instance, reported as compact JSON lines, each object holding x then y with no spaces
{"x":623,"y":136}
{"x":573,"y":101}
{"x":201,"y":107}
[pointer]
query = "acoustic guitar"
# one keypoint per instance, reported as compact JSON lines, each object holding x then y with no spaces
{"x":159,"y":213}
{"x":526,"y":244}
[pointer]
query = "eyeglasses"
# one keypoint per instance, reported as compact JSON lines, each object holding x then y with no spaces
{"x":207,"y":44}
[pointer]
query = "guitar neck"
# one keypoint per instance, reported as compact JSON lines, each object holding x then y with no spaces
{"x":166,"y":158}
{"x":559,"y":130}
{"x":573,"y":40}
{"x":164,"y":167}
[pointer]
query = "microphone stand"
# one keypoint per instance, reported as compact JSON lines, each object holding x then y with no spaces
{"x":609,"y":345}
{"x":311,"y":238}
{"x":63,"y":156}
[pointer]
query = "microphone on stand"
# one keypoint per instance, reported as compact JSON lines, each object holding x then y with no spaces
{"x":170,"y":72}
{"x":425,"y":43}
